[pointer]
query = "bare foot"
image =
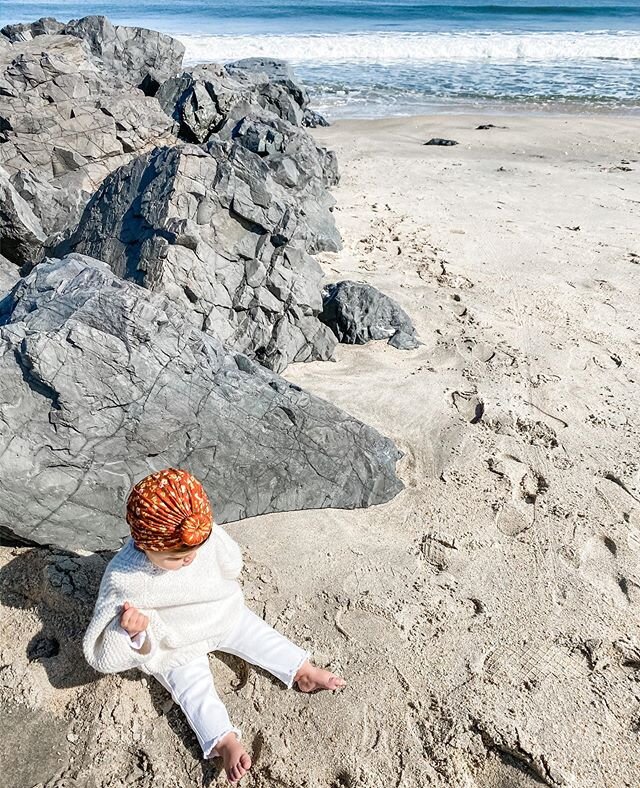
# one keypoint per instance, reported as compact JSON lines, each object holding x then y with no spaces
{"x":234,"y":757}
{"x":310,"y":677}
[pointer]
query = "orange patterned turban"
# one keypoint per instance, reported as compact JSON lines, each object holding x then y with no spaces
{"x":169,"y":510}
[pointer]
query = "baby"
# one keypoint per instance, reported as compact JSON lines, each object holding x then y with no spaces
{"x":170,"y":596}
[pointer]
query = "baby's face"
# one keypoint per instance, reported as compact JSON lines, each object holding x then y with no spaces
{"x":170,"y":559}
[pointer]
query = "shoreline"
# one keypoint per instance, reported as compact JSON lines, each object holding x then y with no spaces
{"x":518,"y":111}
{"x":467,"y":122}
{"x":520,"y":71}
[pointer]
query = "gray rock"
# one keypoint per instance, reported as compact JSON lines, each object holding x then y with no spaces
{"x":313,"y":119}
{"x":66,"y":122}
{"x":21,"y":234}
{"x":299,"y":166}
{"x":144,"y":58}
{"x":104,"y":382}
{"x":25,"y":31}
{"x":274,"y":139}
{"x":440,"y":141}
{"x":357,"y":312}
{"x":270,"y":71}
{"x":485,"y":126}
{"x":70,"y":115}
{"x":9,"y":275}
{"x":201,"y":100}
{"x":213,"y":229}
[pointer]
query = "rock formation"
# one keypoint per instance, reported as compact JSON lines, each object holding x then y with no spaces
{"x":226,"y":238}
{"x":357,"y":312}
{"x":8,"y":274}
{"x":234,"y":252}
{"x":199,"y":199}
{"x":202,"y":99}
{"x":143,"y":58}
{"x":104,"y":381}
{"x":66,"y":121}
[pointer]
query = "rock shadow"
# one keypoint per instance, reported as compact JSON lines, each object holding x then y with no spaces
{"x":61,"y":588}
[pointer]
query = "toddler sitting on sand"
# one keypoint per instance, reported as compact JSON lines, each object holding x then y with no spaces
{"x":170,"y":596}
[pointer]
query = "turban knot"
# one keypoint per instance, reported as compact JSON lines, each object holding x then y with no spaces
{"x":169,"y":510}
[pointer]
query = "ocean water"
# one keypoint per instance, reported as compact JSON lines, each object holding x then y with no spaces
{"x":392,"y":57}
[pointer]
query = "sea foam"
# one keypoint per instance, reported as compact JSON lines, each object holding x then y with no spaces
{"x":416,"y":47}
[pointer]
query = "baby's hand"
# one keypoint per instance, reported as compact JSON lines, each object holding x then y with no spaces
{"x":132,"y":620}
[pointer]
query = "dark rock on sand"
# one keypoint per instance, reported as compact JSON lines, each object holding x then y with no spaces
{"x":104,"y":382}
{"x":357,"y":312}
{"x":486,"y":126}
{"x":440,"y":141}
{"x":313,"y":119}
{"x":224,"y":230}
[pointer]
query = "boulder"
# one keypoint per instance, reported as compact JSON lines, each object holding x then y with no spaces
{"x":271,"y":71}
{"x":357,"y":312}
{"x":25,"y":31}
{"x":105,"y":382}
{"x":9,"y":275}
{"x":73,"y":109}
{"x":212,"y":228}
{"x":65,"y":123}
{"x":313,"y":119}
{"x":201,"y":100}
{"x":274,"y":139}
{"x":206,"y":98}
{"x":298,"y":165}
{"x":144,"y":58}
{"x":21,"y":234}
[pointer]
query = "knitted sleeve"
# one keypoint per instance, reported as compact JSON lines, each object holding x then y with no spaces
{"x":228,"y":553}
{"x":107,"y":647}
{"x":138,"y":640}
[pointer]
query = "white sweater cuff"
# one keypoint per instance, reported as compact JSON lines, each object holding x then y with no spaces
{"x":138,"y":640}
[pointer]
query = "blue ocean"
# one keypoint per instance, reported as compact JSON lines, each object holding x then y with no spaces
{"x":367,"y":58}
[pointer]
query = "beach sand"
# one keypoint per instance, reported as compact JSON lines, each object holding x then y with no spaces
{"x":486,"y":619}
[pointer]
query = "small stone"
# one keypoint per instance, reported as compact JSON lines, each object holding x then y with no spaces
{"x":440,"y":141}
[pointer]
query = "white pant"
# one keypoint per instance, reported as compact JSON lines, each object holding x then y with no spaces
{"x":191,"y":685}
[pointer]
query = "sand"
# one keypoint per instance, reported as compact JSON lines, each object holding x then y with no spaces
{"x":486,"y":619}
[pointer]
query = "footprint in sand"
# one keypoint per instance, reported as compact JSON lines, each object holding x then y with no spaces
{"x":600,"y":566}
{"x":525,"y":486}
{"x":436,"y":549}
{"x":470,"y":348}
{"x":537,"y":433}
{"x":633,"y":534}
{"x":457,"y":307}
{"x":468,"y":405}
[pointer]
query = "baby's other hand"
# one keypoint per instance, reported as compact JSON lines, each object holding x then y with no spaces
{"x":132,"y":620}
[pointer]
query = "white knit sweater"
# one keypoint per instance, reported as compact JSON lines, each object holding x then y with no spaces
{"x":190,"y":609}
